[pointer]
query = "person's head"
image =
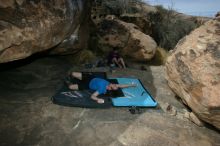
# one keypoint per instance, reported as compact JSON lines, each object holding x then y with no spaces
{"x":112,"y":87}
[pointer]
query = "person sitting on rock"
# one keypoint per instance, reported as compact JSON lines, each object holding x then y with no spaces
{"x":115,"y":59}
{"x":90,"y":81}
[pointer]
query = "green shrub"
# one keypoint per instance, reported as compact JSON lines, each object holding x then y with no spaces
{"x":118,"y":7}
{"x":168,"y":27}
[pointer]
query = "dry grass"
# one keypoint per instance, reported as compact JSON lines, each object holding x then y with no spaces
{"x":160,"y":57}
{"x":84,"y":56}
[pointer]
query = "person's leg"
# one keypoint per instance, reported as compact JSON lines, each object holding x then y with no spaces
{"x":115,"y":61}
{"x":77,"y":75}
{"x":121,"y":61}
{"x":73,"y":86}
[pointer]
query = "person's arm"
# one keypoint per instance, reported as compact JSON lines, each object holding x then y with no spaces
{"x":94,"y":96}
{"x":126,"y":85}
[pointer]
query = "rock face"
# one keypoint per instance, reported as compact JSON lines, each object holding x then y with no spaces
{"x":27,"y":27}
{"x":193,"y":71}
{"x":142,"y":22}
{"x":126,"y":36}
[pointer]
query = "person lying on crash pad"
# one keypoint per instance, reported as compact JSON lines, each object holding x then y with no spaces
{"x":89,"y":81}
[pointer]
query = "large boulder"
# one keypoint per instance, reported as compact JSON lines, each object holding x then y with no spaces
{"x":141,"y":21}
{"x":193,"y":71}
{"x":27,"y":27}
{"x":128,"y":37}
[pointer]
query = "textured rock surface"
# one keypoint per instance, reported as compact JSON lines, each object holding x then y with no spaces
{"x":142,"y":22}
{"x":127,"y":36}
{"x":27,"y":27}
{"x":29,"y":118}
{"x":193,"y":71}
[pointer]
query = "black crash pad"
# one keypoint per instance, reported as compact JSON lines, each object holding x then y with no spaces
{"x":81,"y":98}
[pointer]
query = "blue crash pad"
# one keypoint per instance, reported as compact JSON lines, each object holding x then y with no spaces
{"x":134,"y":96}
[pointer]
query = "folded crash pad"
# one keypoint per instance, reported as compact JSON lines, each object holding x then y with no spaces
{"x":134,"y":96}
